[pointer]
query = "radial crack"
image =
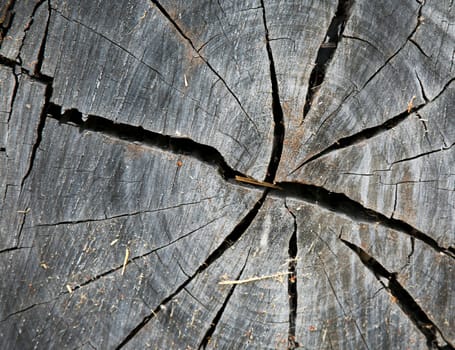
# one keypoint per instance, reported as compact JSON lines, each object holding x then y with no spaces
{"x":207,"y":336}
{"x":188,"y":39}
{"x":42,"y":48}
{"x":342,"y":204}
{"x":292,"y":284}
{"x":231,"y":239}
{"x":326,"y":51}
{"x":278,"y":132}
{"x":405,"y":301}
{"x":138,"y":257}
{"x":127,"y":132}
{"x":369,"y":133}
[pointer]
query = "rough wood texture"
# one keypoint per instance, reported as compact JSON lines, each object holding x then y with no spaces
{"x":123,"y":127}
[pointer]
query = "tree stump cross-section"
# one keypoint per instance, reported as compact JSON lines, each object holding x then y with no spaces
{"x":227,"y":174}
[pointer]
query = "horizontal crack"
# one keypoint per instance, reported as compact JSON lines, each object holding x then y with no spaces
{"x":24,"y":310}
{"x":442,"y":149}
{"x":342,"y":204}
{"x":119,"y":216}
{"x":127,"y":132}
{"x":405,"y":301}
{"x":12,"y":249}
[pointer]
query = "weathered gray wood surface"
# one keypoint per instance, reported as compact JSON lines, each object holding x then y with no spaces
{"x":124,"y":123}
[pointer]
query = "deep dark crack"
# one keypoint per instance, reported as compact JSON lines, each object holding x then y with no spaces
{"x":42,"y":48}
{"x":371,"y":132}
{"x":342,"y":204}
{"x":326,"y":51}
{"x":335,"y":202}
{"x":292,"y":284}
{"x":278,"y":133}
{"x":12,"y":249}
{"x":138,"y":134}
{"x":405,"y":301}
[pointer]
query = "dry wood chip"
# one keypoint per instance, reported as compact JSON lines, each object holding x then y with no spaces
{"x":254,"y":279}
{"x":125,"y":261}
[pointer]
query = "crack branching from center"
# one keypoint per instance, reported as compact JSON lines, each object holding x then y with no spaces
{"x":341,"y":204}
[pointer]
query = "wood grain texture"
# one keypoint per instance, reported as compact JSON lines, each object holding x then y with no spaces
{"x":296,"y":27}
{"x":341,"y":303}
{"x":188,"y":78}
{"x":78,"y":229}
{"x":370,"y":81}
{"x":252,"y":174}
{"x":25,"y":100}
{"x":253,"y":314}
{"x":17,"y":18}
{"x":402,"y":170}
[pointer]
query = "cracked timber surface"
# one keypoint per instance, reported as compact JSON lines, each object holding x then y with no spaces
{"x":227,"y":175}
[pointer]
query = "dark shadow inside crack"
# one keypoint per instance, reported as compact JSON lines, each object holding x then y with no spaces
{"x":404,"y":299}
{"x":292,"y":284}
{"x":139,"y":135}
{"x":342,"y":204}
{"x":326,"y":51}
